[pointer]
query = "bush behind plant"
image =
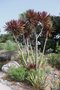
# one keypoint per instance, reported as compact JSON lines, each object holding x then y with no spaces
{"x":54,"y":60}
{"x":8,"y":46}
{"x":2,"y":45}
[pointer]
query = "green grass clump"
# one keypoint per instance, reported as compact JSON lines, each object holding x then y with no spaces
{"x":37,"y":78}
{"x":17,"y":74}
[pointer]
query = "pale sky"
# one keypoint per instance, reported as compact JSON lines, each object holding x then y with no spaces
{"x":10,"y":9}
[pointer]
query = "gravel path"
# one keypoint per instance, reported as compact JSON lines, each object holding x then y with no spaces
{"x":4,"y":87}
{"x":11,"y":85}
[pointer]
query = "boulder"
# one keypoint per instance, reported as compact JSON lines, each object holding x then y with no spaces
{"x":4,"y":57}
{"x":7,"y":55}
{"x":4,"y":87}
{"x":6,"y":67}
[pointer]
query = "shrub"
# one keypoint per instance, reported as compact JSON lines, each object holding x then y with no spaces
{"x":54,"y":60}
{"x":17,"y":74}
{"x":10,"y":45}
{"x":2,"y":45}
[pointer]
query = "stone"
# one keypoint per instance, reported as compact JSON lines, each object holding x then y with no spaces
{"x":6,"y":56}
{"x":4,"y":87}
{"x":6,"y":67}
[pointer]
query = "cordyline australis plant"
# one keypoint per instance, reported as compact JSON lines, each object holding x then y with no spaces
{"x":43,"y":20}
{"x":29,"y":25}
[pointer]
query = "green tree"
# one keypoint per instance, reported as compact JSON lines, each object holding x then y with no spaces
{"x":56,"y":24}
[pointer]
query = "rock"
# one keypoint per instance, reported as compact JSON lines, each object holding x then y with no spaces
{"x":4,"y":57}
{"x":4,"y":87}
{"x":7,"y":55}
{"x":6,"y":67}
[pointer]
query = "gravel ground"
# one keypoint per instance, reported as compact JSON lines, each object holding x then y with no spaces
{"x":13,"y":85}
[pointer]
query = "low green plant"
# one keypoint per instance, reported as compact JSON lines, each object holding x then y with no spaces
{"x":37,"y":78}
{"x":17,"y":74}
{"x":54,"y":60}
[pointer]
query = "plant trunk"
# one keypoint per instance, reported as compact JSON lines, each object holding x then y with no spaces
{"x":20,"y":51}
{"x":27,"y":48}
{"x":42,"y":57}
{"x":32,"y":54}
{"x":36,"y":53}
{"x":45,"y":43}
